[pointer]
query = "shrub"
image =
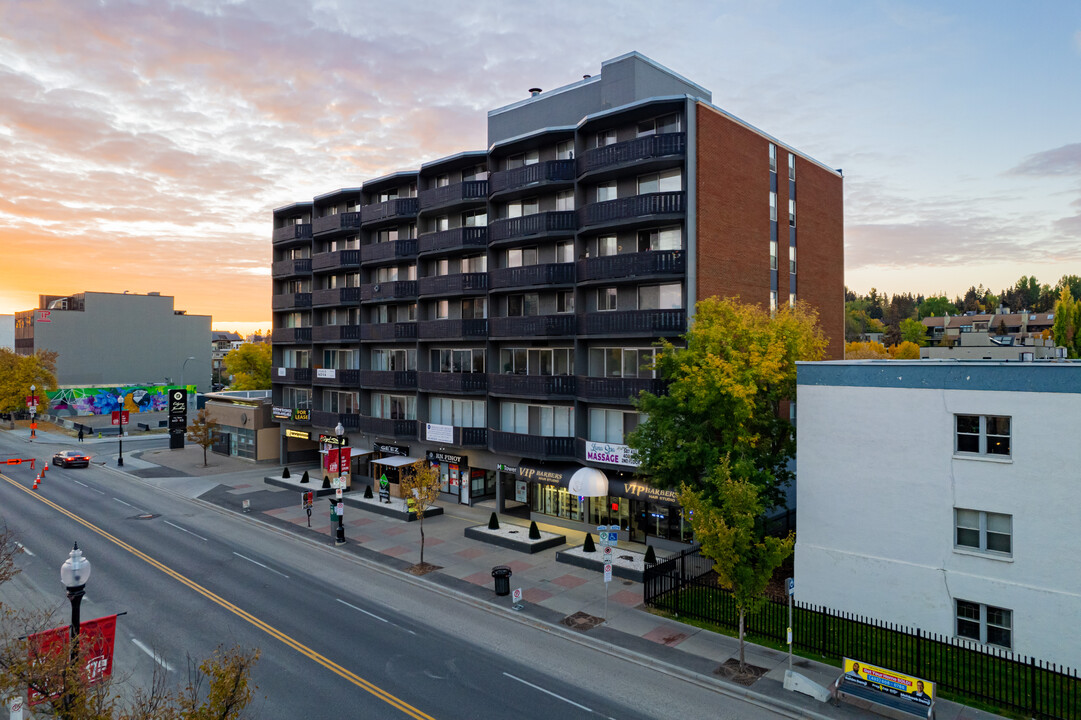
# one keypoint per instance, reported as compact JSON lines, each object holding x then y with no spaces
{"x":304,"y":477}
{"x":534,"y":531}
{"x":367,"y":492}
{"x":285,"y":473}
{"x":651,"y":555}
{"x":588,"y":545}
{"x":493,"y":522}
{"x":326,"y":481}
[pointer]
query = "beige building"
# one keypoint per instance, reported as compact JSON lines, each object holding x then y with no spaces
{"x":246,"y":427}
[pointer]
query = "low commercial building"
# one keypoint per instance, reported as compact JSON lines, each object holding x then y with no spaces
{"x":246,"y":427}
{"x":943,"y":495}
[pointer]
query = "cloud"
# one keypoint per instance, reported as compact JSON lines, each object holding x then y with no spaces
{"x":1064,"y":160}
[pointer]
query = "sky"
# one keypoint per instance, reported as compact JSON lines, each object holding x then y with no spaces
{"x":143,"y":145}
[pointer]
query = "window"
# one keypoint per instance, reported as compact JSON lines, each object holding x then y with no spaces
{"x":666,"y":181}
{"x":565,"y":150}
{"x":983,"y":435}
{"x":518,"y":208}
{"x":519,"y":257}
{"x":772,"y":302}
{"x":607,"y":245}
{"x":297,"y":358}
{"x":621,"y":362}
{"x":792,"y":259}
{"x":985,"y":624}
{"x":611,"y":426}
{"x":987,"y":531}
{"x":440,"y":267}
{"x":442,"y":181}
{"x":565,"y":301}
{"x":660,"y":297}
{"x":606,"y":299}
{"x":442,"y":223}
{"x":524,"y":305}
{"x":454,"y":360}
{"x":657,"y":126}
{"x":297,"y":398}
{"x":792,"y":299}
{"x":606,"y":137}
{"x":475,"y":264}
{"x":475,"y":218}
{"x":336,"y":401}
{"x":772,"y":254}
{"x":394,"y":407}
{"x":537,"y":361}
{"x":388,"y":195}
{"x":660,"y":239}
{"x":542,"y":420}
{"x":457,"y":412}
{"x":384,"y":359}
{"x":477,"y":172}
{"x":529,"y":158}
{"x":565,"y":252}
{"x":341,"y":359}
{"x":475,"y":308}
{"x":442,"y":309}
{"x":791,"y":166}
{"x":606,"y":191}
{"x":791,"y":213}
{"x":772,"y":157}
{"x":565,"y":200}
{"x":772,"y":206}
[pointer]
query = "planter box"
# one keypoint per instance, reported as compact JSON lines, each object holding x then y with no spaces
{"x":524,"y":545}
{"x":595,"y":563}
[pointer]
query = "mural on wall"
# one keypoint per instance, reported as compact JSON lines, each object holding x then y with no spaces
{"x":104,"y":400}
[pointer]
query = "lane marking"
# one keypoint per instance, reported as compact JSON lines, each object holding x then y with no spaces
{"x":301,"y":648}
{"x":153,"y":655}
{"x":124,"y":503}
{"x":381,"y":619}
{"x":256,"y":562}
{"x":80,"y":483}
{"x":548,"y":692}
{"x":24,"y":548}
{"x":189,"y":532}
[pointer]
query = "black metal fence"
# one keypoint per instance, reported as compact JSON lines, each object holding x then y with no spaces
{"x":684,"y":584}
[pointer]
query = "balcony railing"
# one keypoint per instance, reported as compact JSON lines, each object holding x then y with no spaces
{"x":385,"y":427}
{"x":533,"y":325}
{"x":335,"y":333}
{"x":459,"y":284}
{"x":531,"y":385}
{"x":631,"y":208}
{"x":336,"y":378}
{"x":290,"y":267}
{"x":458,"y":238}
{"x":389,"y":331}
{"x":617,"y":389}
{"x":322,"y":418}
{"x":292,"y":232}
{"x":397,"y":209}
{"x":291,"y":335}
{"x":337,"y":260}
{"x":452,"y":382}
{"x":393,"y":290}
{"x":644,"y":148}
{"x":389,"y":379}
{"x":470,"y":190}
{"x":538,"y":174}
{"x":452,"y":329}
{"x":532,"y":446}
{"x":527,"y":275}
{"x":615,"y":267}
{"x":291,"y":301}
{"x":393,"y":250}
{"x":634,"y":322}
{"x":335,"y":296}
{"x":291,"y":376}
{"x":335,"y":223}
{"x":562,"y":222}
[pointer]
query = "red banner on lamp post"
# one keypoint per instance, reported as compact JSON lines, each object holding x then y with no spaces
{"x":96,"y":641}
{"x":120,"y":417}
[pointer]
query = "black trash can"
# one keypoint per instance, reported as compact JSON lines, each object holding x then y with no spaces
{"x":502,"y":574}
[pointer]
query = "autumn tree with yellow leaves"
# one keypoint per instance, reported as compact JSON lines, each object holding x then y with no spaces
{"x":19,"y":372}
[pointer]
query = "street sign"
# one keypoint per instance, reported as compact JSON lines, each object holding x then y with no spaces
{"x":607,"y":554}
{"x":608,"y":572}
{"x":516,"y":595}
{"x":791,"y":586}
{"x":338,"y":493}
{"x":341,"y":509}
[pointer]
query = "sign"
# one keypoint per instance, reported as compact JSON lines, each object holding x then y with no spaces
{"x":332,"y":439}
{"x":391,"y":449}
{"x":898,"y":685}
{"x":791,"y":586}
{"x":96,"y":641}
{"x":327,"y":373}
{"x":15,"y":707}
{"x":608,"y":572}
{"x":300,"y":415}
{"x":299,"y":434}
{"x":178,"y":417}
{"x":384,"y":488}
{"x":556,"y":474}
{"x":606,"y":556}
{"x":43,"y":316}
{"x":338,"y":493}
{"x":439,"y":433}
{"x":507,"y":468}
{"x":281,"y":372}
{"x":642,"y":491}
{"x":610,"y":453}
{"x":516,"y":595}
{"x":281,"y":413}
{"x":120,"y":417}
{"x":341,"y":509}
{"x":521,"y":491}
{"x":443,"y":457}
{"x":31,"y":400}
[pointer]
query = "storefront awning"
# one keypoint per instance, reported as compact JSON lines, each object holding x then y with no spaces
{"x":546,"y":473}
{"x":396,"y":461}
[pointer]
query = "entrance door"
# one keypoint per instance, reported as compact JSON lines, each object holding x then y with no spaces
{"x":463,"y":497}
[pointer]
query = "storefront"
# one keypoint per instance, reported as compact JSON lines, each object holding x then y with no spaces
{"x":388,"y":461}
{"x":457,"y":479}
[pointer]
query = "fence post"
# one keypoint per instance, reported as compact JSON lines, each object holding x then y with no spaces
{"x":1032,"y":686}
{"x":919,"y":652}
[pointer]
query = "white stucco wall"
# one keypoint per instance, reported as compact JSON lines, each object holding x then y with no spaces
{"x":878,"y":484}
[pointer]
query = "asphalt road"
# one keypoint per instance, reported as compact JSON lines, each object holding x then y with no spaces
{"x":339,"y":638}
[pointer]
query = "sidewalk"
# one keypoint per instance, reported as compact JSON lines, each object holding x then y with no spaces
{"x":563,"y":597}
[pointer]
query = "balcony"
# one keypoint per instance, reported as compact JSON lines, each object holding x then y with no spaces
{"x":291,"y":335}
{"x":397,"y":210}
{"x":532,"y":446}
{"x":546,"y":175}
{"x":470,"y":191}
{"x":530,"y":275}
{"x":469,"y":437}
{"x":389,"y":251}
{"x":448,"y":382}
{"x":460,"y":284}
{"x":389,"y":331}
{"x":461,"y":238}
{"x":385,"y":427}
{"x":621,"y":390}
{"x":291,"y":301}
{"x":632,"y":151}
{"x":393,"y":290}
{"x":335,"y":296}
{"x":333,"y":377}
{"x":634,"y":322}
{"x":342,"y":222}
{"x":531,"y":385}
{"x":531,"y":326}
{"x":389,"y":379}
{"x":291,"y":376}
{"x":291,"y":267}
{"x":337,"y":260}
{"x":291,"y":234}
{"x":537,"y":225}
{"x":452,"y":329}
{"x":323,"y":418}
{"x":651,"y":206}
{"x":335,"y":333}
{"x":632,"y":265}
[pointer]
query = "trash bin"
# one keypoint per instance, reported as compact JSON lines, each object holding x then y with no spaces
{"x":502,"y":574}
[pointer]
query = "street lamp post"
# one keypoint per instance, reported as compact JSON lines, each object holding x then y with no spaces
{"x":339,"y":430}
{"x":74,"y":574}
{"x":33,"y":410}
{"x":120,"y":437}
{"x":184,"y":365}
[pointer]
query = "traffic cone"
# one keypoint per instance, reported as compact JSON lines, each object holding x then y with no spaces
{"x":44,"y":468}
{"x":37,"y":479}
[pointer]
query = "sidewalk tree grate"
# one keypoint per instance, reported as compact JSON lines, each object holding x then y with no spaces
{"x":581,"y":621}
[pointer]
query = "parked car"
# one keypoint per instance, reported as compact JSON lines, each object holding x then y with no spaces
{"x":71,"y":458}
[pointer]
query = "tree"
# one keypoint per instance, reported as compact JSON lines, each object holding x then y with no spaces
{"x":938,"y":306}
{"x":202,"y":430}
{"x":866,"y":351}
{"x":249,"y":365}
{"x":1067,"y":323}
{"x":19,"y":372}
{"x":724,"y":392}
{"x":905,"y":351}
{"x":421,"y":483}
{"x":730,"y":533}
{"x":913,"y":331}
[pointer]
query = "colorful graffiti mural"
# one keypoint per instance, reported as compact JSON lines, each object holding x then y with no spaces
{"x":104,"y":400}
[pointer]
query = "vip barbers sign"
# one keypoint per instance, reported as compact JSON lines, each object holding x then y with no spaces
{"x":178,"y":417}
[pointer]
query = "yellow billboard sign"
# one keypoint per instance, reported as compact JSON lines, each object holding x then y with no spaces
{"x":890,"y":682}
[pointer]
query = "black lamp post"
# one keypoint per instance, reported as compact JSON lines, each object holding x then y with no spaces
{"x":120,"y":437}
{"x":74,"y":573}
{"x":339,"y":430}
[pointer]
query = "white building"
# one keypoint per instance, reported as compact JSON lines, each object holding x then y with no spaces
{"x":944,"y":495}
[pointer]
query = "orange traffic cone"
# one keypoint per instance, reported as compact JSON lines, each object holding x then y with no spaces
{"x":43,"y":469}
{"x":37,"y":479}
